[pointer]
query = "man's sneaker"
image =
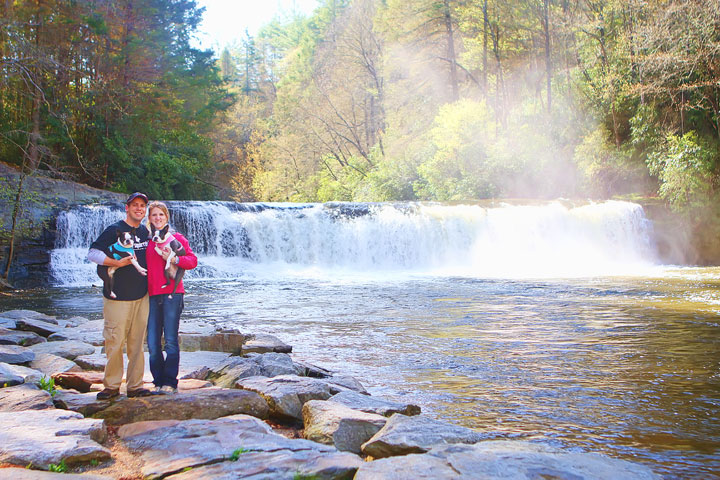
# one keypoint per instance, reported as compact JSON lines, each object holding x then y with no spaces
{"x":107,"y":394}
{"x":140,"y":392}
{"x":168,"y":390}
{"x":155,"y":390}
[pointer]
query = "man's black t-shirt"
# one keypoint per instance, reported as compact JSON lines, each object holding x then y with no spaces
{"x":129,"y":284}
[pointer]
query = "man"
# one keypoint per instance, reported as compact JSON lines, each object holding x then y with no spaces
{"x":126,"y":315}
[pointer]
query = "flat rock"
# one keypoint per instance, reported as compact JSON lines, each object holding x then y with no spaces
{"x":16,"y":473}
{"x":78,"y":380}
{"x":24,"y":397}
{"x":15,"y":337}
{"x":94,"y":361}
{"x":7,"y":323}
{"x":67,"y":349}
{"x":235,"y":368}
{"x":90,"y":332}
{"x":279,"y":465}
{"x":40,"y":327}
{"x":264,"y":343}
{"x":230,"y":342}
{"x":192,"y":384}
{"x":379,"y":406}
{"x":29,"y":375}
{"x":415,"y":467}
{"x":203,"y":404}
{"x":344,"y":383}
{"x":73,"y":322}
{"x":8,"y":376}
{"x":402,"y":435}
{"x":44,"y":437}
{"x":286,"y":394}
{"x":335,"y":424}
{"x":24,"y":314}
{"x":15,"y":354}
{"x":50,"y":364}
{"x":203,"y":448}
{"x":503,"y":460}
{"x":138,"y":428}
{"x":86,"y":404}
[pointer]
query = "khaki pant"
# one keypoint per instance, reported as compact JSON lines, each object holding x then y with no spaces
{"x":125,"y":322}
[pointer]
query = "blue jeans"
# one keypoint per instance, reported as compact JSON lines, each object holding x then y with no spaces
{"x":164,"y":320}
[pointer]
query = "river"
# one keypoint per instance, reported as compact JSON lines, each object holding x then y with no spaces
{"x":552,"y":323}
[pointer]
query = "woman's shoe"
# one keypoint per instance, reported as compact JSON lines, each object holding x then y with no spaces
{"x":168,"y":390}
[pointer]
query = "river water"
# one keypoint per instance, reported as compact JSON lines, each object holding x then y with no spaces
{"x":552,"y":323}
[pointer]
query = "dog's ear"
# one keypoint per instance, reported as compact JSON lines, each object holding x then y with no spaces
{"x":118,"y":232}
{"x":165,"y":229}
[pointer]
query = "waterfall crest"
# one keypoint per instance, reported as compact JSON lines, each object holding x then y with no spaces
{"x":233,"y":239}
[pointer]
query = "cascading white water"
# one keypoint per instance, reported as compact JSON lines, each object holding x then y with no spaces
{"x":376,"y":239}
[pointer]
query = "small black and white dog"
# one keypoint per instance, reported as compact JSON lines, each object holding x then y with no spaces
{"x":120,"y":249}
{"x":163,"y":240}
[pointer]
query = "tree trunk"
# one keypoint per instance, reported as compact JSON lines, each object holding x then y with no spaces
{"x":451,"y":51}
{"x":486,"y":25}
{"x":548,"y":59}
{"x":15,"y":218}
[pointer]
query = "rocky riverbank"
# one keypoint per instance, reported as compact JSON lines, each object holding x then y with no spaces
{"x":245,"y":409}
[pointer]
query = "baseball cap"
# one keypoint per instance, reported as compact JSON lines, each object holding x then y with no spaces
{"x":135,"y":195}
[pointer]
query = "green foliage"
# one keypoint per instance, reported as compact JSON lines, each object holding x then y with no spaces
{"x":118,"y":106}
{"x":305,"y":476}
{"x":48,"y":384}
{"x":687,"y":168}
{"x":237,"y":452}
{"x":59,"y":468}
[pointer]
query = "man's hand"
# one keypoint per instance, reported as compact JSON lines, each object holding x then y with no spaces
{"x":122,"y":262}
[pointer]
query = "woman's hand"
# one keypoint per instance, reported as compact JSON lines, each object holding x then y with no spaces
{"x":166,"y":252}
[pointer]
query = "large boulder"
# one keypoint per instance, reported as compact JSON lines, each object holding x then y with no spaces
{"x":264,"y":343}
{"x":379,"y":406}
{"x":24,"y":397}
{"x":15,"y":354}
{"x":89,"y":332}
{"x":44,"y":437}
{"x":50,"y":364}
{"x":236,"y":446}
{"x":335,"y":424}
{"x":230,"y":342}
{"x":227,"y":373}
{"x":402,"y":435}
{"x":502,"y":460}
{"x":40,"y":327}
{"x":286,"y":394}
{"x":202,"y":404}
{"x":15,"y":337}
{"x":78,"y":380}
{"x":67,"y":349}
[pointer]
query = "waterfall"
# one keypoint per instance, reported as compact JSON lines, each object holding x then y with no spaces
{"x":232,"y":239}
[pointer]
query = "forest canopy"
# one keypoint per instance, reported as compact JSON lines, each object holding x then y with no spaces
{"x":371,"y":100}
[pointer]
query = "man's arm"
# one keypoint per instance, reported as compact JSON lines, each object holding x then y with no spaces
{"x":97,"y":256}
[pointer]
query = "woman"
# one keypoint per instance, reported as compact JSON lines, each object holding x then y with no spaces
{"x":165,"y":306}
